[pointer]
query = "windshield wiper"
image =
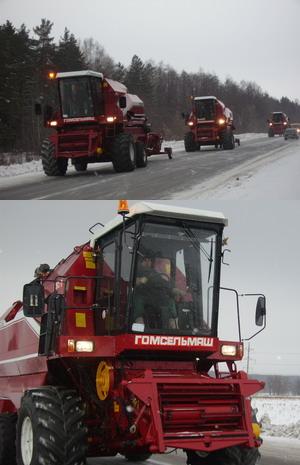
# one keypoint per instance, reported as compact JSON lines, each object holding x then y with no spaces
{"x":194,"y":240}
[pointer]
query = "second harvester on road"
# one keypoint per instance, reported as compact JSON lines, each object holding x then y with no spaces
{"x":210,"y":123}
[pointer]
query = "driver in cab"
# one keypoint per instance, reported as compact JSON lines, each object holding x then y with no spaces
{"x":154,"y":302}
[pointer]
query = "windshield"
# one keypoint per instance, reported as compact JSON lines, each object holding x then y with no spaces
{"x":205,"y":109}
{"x":174,"y":280}
{"x":76,"y":97}
{"x":277,"y":117}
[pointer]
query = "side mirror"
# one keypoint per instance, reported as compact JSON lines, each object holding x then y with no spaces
{"x":38,"y":109}
{"x":122,"y":101}
{"x":33,"y":299}
{"x":48,"y":113}
{"x":183,"y":115}
{"x":260,"y":311}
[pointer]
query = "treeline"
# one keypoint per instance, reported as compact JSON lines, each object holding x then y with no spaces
{"x":280,"y":385}
{"x":26,"y":58}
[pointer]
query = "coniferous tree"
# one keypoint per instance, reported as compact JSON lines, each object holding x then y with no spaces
{"x":68,"y":56}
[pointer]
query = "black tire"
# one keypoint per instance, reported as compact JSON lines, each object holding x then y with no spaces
{"x":189,"y":142}
{"x":228,"y":140}
{"x":137,"y":457}
{"x":141,"y":155}
{"x":123,"y":153}
{"x":50,"y":429}
{"x":8,"y":438}
{"x":80,"y":165}
{"x":52,"y":166}
{"x":230,"y":456}
{"x":270,"y":133}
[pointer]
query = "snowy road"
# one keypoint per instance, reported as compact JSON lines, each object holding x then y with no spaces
{"x":188,"y":175}
{"x":274,"y":451}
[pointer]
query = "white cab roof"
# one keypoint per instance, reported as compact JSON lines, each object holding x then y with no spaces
{"x":79,"y":73}
{"x":168,"y":211}
{"x":206,"y":97}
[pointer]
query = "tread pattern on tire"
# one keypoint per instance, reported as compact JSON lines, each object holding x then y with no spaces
{"x":120,"y":153}
{"x":80,"y":166}
{"x":228,"y":140}
{"x":51,"y":165}
{"x":57,"y":418}
{"x":8,"y":438}
{"x":189,"y":142}
{"x":141,"y":156}
{"x":231,"y":456}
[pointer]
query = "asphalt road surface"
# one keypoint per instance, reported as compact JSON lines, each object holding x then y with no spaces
{"x":161,"y":179}
{"x":273,"y":452}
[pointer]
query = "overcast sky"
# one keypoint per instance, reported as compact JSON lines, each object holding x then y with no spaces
{"x":265,"y":257}
{"x":256,"y":40}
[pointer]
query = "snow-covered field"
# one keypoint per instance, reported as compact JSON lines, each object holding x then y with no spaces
{"x":280,"y":416}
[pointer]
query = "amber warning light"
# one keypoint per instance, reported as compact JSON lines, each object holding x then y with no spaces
{"x":123,"y":208}
{"x":51,"y":75}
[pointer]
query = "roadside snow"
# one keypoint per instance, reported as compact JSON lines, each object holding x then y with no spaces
{"x":280,"y":416}
{"x":275,"y":176}
{"x":279,"y":179}
{"x":21,"y":168}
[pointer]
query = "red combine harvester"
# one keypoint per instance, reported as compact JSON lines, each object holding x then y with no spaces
{"x":116,"y":350}
{"x":278,"y":123}
{"x":210,"y":123}
{"x":97,"y":121}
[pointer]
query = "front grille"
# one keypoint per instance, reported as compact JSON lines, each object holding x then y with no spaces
{"x":188,"y":410}
{"x":73,"y":143}
{"x":206,"y":131}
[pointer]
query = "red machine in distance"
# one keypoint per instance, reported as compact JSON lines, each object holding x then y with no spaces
{"x":97,"y":121}
{"x":210,"y":123}
{"x":277,"y":124}
{"x":107,"y":355}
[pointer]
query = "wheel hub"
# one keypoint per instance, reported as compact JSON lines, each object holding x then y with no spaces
{"x":26,"y":441}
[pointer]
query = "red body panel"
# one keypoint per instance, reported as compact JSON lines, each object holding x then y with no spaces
{"x":160,"y":392}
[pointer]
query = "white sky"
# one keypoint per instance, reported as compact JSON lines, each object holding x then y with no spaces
{"x":263,"y":238}
{"x":255,"y":40}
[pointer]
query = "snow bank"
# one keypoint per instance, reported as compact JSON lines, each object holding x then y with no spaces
{"x":21,"y":168}
{"x":280,"y":416}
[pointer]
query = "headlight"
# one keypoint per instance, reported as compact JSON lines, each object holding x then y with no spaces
{"x":285,"y":123}
{"x":53,"y":123}
{"x":111,"y":119}
{"x":190,"y":123}
{"x":80,"y":346}
{"x":84,"y":346}
{"x":221,"y":121}
{"x":228,"y":350}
